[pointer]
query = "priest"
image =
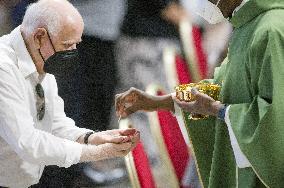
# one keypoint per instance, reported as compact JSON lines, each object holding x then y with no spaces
{"x":241,"y":144}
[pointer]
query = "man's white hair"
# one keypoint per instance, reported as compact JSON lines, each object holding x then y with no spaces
{"x":41,"y":14}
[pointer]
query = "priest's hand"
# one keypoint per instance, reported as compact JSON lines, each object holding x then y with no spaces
{"x":203,"y":104}
{"x":113,"y":136}
{"x":135,"y":100}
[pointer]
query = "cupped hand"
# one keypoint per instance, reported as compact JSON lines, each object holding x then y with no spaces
{"x":112,"y":136}
{"x":203,"y":104}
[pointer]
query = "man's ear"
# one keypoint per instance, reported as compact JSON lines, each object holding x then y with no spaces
{"x":39,"y":37}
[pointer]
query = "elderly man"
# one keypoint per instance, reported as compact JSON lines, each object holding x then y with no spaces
{"x":244,"y":146}
{"x":34,"y":130}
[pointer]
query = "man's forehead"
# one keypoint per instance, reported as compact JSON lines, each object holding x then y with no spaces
{"x":71,"y":28}
{"x":70,"y":34}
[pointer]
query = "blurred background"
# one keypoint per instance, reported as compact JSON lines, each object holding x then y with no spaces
{"x":129,"y":43}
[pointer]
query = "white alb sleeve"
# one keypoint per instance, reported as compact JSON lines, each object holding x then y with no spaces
{"x":241,"y":159}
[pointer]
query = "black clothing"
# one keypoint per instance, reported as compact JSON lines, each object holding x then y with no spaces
{"x":143,"y":19}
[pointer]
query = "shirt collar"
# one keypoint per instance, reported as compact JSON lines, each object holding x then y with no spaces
{"x":252,"y":9}
{"x":25,"y":62}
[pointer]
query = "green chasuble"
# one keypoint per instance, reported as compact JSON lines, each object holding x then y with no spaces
{"x":252,"y":80}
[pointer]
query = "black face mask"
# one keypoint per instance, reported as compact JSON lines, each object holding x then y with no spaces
{"x":62,"y":63}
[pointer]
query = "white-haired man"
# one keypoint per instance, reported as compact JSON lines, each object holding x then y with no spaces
{"x":34,"y":130}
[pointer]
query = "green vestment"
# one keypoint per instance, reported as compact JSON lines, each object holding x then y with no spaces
{"x":252,"y":80}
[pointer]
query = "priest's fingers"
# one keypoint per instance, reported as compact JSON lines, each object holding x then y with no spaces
{"x":121,"y":101}
{"x":119,"y":106}
{"x":186,"y":106}
{"x":129,"y":96}
{"x":125,"y":100}
{"x":200,"y":96}
{"x":127,"y":110}
{"x":131,"y":109}
{"x":117,"y":103}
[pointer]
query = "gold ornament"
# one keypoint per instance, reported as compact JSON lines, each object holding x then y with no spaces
{"x":183,"y":93}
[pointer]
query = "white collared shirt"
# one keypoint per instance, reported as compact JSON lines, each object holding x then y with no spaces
{"x":27,"y":144}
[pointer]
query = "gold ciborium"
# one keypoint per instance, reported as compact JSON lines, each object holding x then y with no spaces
{"x":183,"y":93}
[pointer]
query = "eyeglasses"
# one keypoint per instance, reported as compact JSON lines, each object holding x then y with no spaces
{"x":40,"y":103}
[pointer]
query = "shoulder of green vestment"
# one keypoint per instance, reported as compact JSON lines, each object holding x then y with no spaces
{"x":254,"y":8}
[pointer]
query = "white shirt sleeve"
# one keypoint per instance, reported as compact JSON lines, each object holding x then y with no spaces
{"x":17,"y":127}
{"x":241,"y":159}
{"x":63,"y":126}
